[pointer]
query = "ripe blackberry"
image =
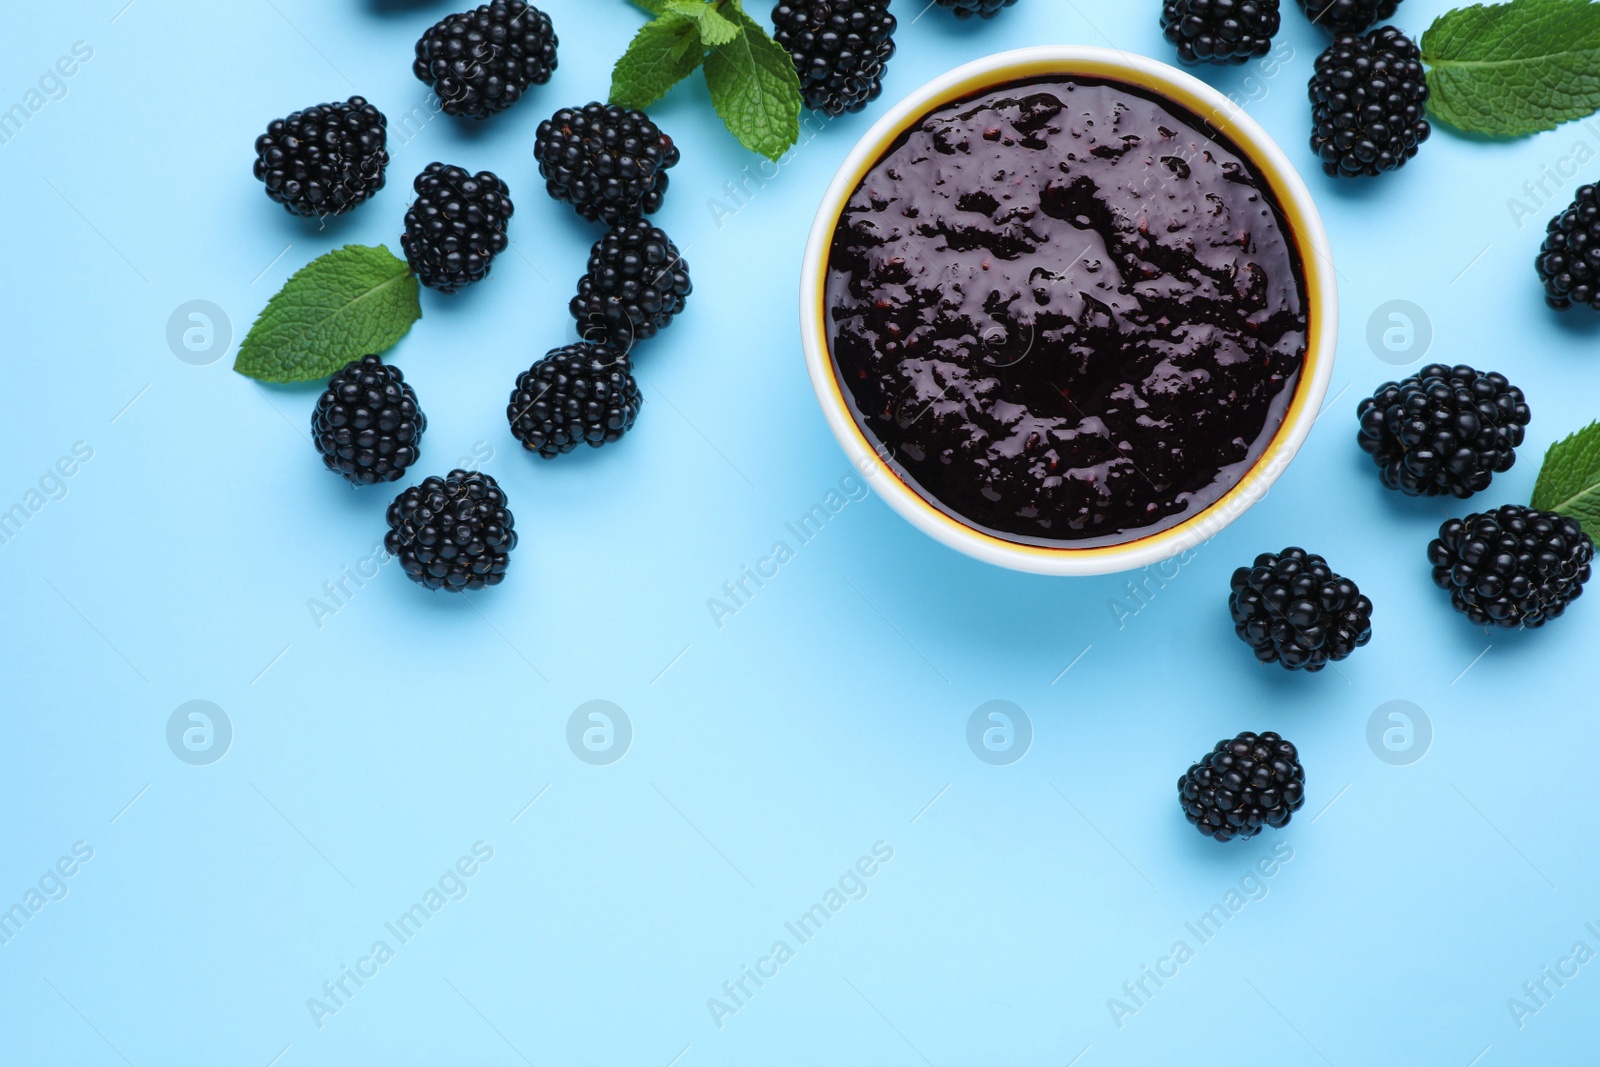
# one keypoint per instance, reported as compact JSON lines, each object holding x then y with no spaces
{"x":1220,"y":31}
{"x":1569,"y":259}
{"x":456,"y":226}
{"x":984,"y":9}
{"x":482,"y":61}
{"x":578,"y":394}
{"x":1513,"y":567}
{"x":1348,"y":16}
{"x":840,"y":49}
{"x":452,"y":533}
{"x":367,"y":424}
{"x":609,"y":162}
{"x":1292,"y":609}
{"x":1242,"y":785}
{"x":1368,"y":99}
{"x":635,"y":284}
{"x":326,"y":159}
{"x":1443,"y":430}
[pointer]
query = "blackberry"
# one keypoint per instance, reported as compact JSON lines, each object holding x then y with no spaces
{"x":325,"y":159}
{"x":635,"y":284}
{"x":610,"y":163}
{"x":1243,"y":785}
{"x":367,"y":424}
{"x":1514,"y":567}
{"x":1368,"y":99}
{"x":984,"y":9}
{"x":482,"y":61}
{"x":578,"y":394}
{"x":1348,"y":16}
{"x":1220,"y":31}
{"x":1292,"y":609}
{"x":456,"y":226}
{"x":1569,"y":259}
{"x":452,"y":533}
{"x":840,"y":48}
{"x":1443,"y":430}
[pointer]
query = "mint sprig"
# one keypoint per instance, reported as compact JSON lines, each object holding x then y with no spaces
{"x":1515,"y":68}
{"x":1569,"y":481}
{"x":663,"y":53}
{"x":349,"y":303}
{"x":751,"y":77}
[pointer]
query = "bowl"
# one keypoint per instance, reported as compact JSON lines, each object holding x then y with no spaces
{"x":1300,"y":222}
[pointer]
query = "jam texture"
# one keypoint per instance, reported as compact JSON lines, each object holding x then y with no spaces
{"x":1066,"y":312}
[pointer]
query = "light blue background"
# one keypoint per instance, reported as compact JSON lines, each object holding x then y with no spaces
{"x":768,"y":755}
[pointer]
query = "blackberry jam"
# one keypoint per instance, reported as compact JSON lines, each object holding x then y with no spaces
{"x":1066,"y":311}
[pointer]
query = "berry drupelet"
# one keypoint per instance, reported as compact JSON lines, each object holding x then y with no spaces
{"x":983,"y":9}
{"x":1569,"y":259}
{"x":456,"y":226}
{"x":1292,"y":609}
{"x":1242,"y":785}
{"x":1220,"y":31}
{"x":482,"y":61}
{"x":578,"y":394}
{"x":635,"y":284}
{"x":453,"y":533}
{"x":1368,"y":98}
{"x":1444,"y":430}
{"x":1513,"y":567}
{"x":367,"y":424}
{"x":325,"y":159}
{"x":610,"y":163}
{"x":840,"y":49}
{"x":1348,"y":16}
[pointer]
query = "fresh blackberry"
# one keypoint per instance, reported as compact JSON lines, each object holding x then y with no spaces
{"x":578,"y":394}
{"x":456,"y":226}
{"x":1569,"y":259}
{"x":608,"y":162}
{"x":1443,"y":430}
{"x":983,"y":9}
{"x":326,"y":159}
{"x":482,"y":61}
{"x":452,"y":533}
{"x":367,"y":424}
{"x":1292,"y":609}
{"x":1368,"y":99}
{"x":1220,"y":31}
{"x":1348,"y":16}
{"x":1243,"y":785}
{"x":1513,"y":567}
{"x":635,"y":284}
{"x":840,"y":49}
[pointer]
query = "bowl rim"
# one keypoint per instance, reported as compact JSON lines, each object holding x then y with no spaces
{"x":1299,"y":216}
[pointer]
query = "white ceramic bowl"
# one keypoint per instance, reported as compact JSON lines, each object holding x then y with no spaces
{"x":1301,"y":221}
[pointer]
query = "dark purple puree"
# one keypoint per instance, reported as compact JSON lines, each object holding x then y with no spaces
{"x":1068,"y":313}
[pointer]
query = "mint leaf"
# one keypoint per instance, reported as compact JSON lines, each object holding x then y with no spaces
{"x":663,"y":53}
{"x":340,"y":306}
{"x":715,"y":28}
{"x":1515,"y":68}
{"x":755,"y":89}
{"x":655,"y":7}
{"x":1569,"y":481}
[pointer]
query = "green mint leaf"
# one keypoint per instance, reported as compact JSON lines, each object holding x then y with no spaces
{"x":715,"y":27}
{"x":663,"y":53}
{"x":340,"y":306}
{"x":655,"y":7}
{"x":1569,"y":481}
{"x":755,"y":89}
{"x":1515,"y":68}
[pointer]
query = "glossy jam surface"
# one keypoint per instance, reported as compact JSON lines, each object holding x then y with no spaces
{"x":1066,"y":312}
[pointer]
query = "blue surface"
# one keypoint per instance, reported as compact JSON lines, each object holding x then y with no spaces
{"x":826,"y":718}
